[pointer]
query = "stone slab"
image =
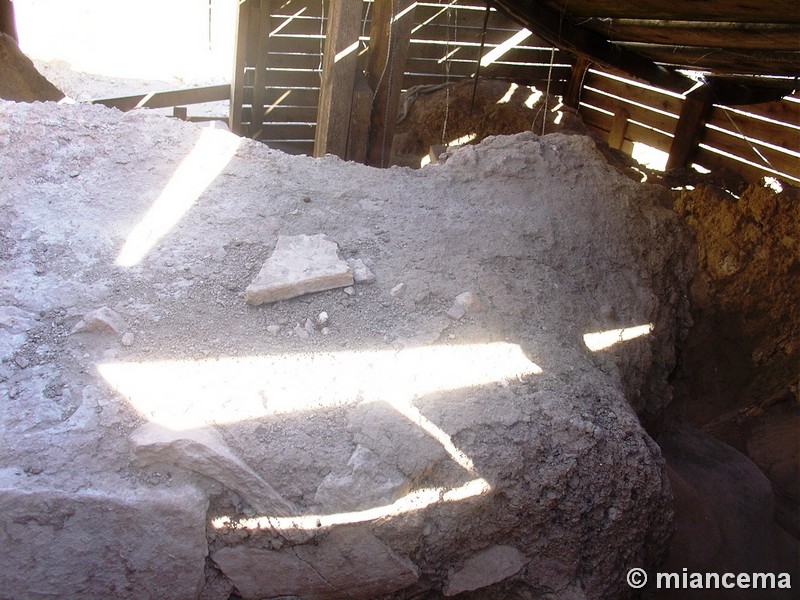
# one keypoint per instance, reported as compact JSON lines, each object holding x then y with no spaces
{"x":300,"y":264}
{"x":136,"y":545}
{"x":348,"y":562}
{"x":493,"y":565}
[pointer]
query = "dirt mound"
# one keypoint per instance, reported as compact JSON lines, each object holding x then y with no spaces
{"x":19,"y":79}
{"x":438,"y":115}
{"x":412,"y":443}
{"x":744,"y":347}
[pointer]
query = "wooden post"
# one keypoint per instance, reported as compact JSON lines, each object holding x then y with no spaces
{"x":338,"y":78}
{"x":8,"y":23}
{"x":260,"y":81}
{"x":572,"y":99}
{"x":616,"y":137}
{"x":239,"y":63}
{"x":358,"y":136}
{"x":689,"y":130}
{"x":389,"y":38}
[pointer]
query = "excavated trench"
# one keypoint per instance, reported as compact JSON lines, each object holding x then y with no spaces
{"x":413,"y":442}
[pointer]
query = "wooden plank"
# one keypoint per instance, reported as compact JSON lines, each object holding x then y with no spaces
{"x":701,"y":33}
{"x":468,"y":68}
{"x":295,"y":114}
{"x":288,"y":131}
{"x":295,"y":148}
{"x":358,"y":136}
{"x":629,"y":90}
{"x":635,"y":112}
{"x":294,"y":60}
{"x":572,"y":98}
{"x":550,"y":24}
{"x":785,"y":136}
{"x":338,"y":78}
{"x":720,"y":60}
{"x":618,"y":126}
{"x":167,"y":99}
{"x":733,"y":144}
{"x":692,"y":120}
{"x":261,"y":43}
{"x":601,"y":123}
{"x":752,"y":173}
{"x":292,"y":78}
{"x":291,"y":97}
{"x":389,"y":41}
{"x":239,"y":64}
{"x":743,"y":11}
{"x":785,"y":111}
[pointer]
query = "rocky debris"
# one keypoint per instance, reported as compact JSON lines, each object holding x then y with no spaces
{"x":398,"y":290}
{"x":14,"y":324}
{"x":361,"y":272}
{"x":502,"y":429}
{"x":300,"y":264}
{"x":205,"y":452}
{"x":448,"y":113}
{"x":492,"y":565}
{"x":464,"y":303}
{"x":723,"y":515}
{"x":127,"y":339}
{"x":100,"y":320}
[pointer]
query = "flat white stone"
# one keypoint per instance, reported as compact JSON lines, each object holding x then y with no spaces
{"x":300,"y":264}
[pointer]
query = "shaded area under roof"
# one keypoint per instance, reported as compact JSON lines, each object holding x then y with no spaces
{"x":747,"y":44}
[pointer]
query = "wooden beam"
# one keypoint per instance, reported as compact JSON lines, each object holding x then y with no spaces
{"x":239,"y":62}
{"x":338,"y":78}
{"x":552,"y":26}
{"x":744,"y":11}
{"x":8,"y":22}
{"x":694,"y":113}
{"x":616,"y":136}
{"x":389,"y":38}
{"x":199,"y":95}
{"x":572,"y":98}
{"x":358,"y":136}
{"x":259,"y":40}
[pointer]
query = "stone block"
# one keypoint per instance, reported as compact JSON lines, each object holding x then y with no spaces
{"x":300,"y":264}
{"x":130,"y":544}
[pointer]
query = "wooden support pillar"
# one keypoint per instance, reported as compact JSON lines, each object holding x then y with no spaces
{"x":616,"y":137}
{"x":8,"y":23}
{"x":260,"y":78}
{"x":338,"y":78}
{"x":689,"y":130}
{"x":572,"y":99}
{"x":358,"y":136}
{"x":249,"y":65}
{"x":389,"y":38}
{"x":239,"y":63}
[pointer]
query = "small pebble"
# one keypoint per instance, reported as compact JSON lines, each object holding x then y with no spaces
{"x":273,"y":329}
{"x":21,"y":361}
{"x":398,"y":290}
{"x":127,"y":339}
{"x":349,"y":290}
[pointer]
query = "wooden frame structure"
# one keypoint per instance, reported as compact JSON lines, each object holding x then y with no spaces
{"x":617,"y":63}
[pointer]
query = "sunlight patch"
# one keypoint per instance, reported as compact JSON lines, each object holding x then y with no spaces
{"x":212,"y":152}
{"x":186,"y":394}
{"x":605,"y":339}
